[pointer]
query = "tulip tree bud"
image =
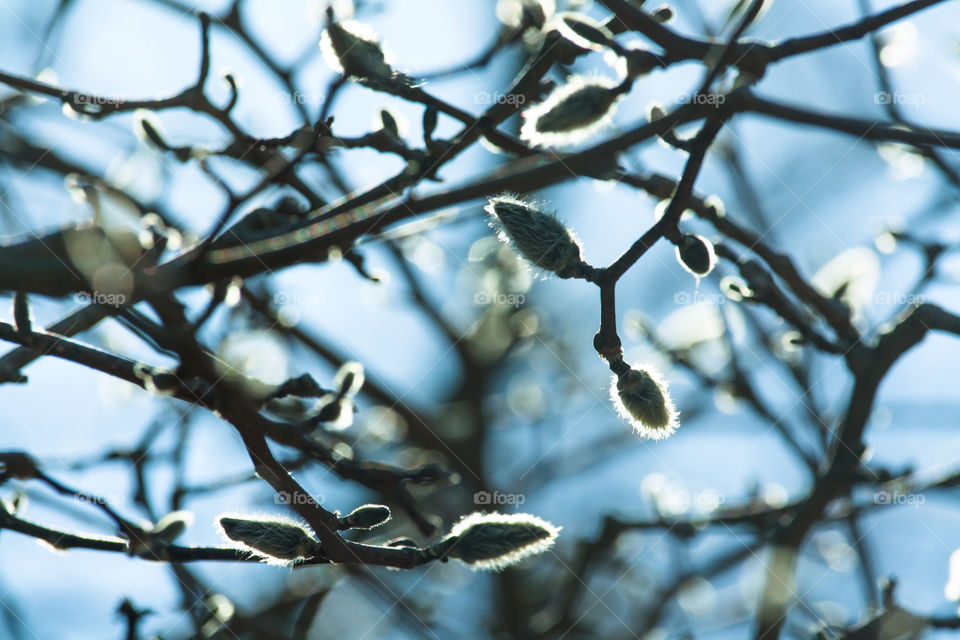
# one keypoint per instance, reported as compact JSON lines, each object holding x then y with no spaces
{"x":494,"y":541}
{"x":535,"y":234}
{"x":274,"y":539}
{"x":573,"y":112}
{"x":696,"y":254}
{"x":366,"y":517}
{"x":641,"y":398}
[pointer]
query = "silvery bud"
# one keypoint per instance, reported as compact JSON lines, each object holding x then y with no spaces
{"x":641,"y":398}
{"x":273,"y":539}
{"x":535,"y":234}
{"x":696,"y":254}
{"x":494,"y":541}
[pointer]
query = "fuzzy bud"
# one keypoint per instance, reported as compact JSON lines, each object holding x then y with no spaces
{"x":366,"y":517}
{"x":494,"y":541}
{"x":696,"y":254}
{"x":535,"y":234}
{"x":274,"y":539}
{"x":641,"y":398}
{"x":573,"y":112}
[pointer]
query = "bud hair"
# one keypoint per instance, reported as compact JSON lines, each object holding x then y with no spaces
{"x":536,"y":234}
{"x":275,"y":540}
{"x":641,"y":398}
{"x":494,"y":541}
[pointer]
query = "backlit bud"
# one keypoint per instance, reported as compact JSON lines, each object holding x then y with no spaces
{"x":535,"y":234}
{"x":696,"y":254}
{"x":494,"y":541}
{"x":641,"y":398}
{"x":273,"y":539}
{"x":572,"y":112}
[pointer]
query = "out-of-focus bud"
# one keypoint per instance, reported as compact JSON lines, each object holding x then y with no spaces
{"x":353,"y":50}
{"x":172,"y":525}
{"x":583,"y":31}
{"x":663,"y":14}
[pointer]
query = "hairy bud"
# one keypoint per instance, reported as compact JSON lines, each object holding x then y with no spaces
{"x":641,"y":398}
{"x":366,"y":517}
{"x":494,"y":541}
{"x":696,"y":254}
{"x":535,"y":234}
{"x":273,"y":539}
{"x":573,"y":112}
